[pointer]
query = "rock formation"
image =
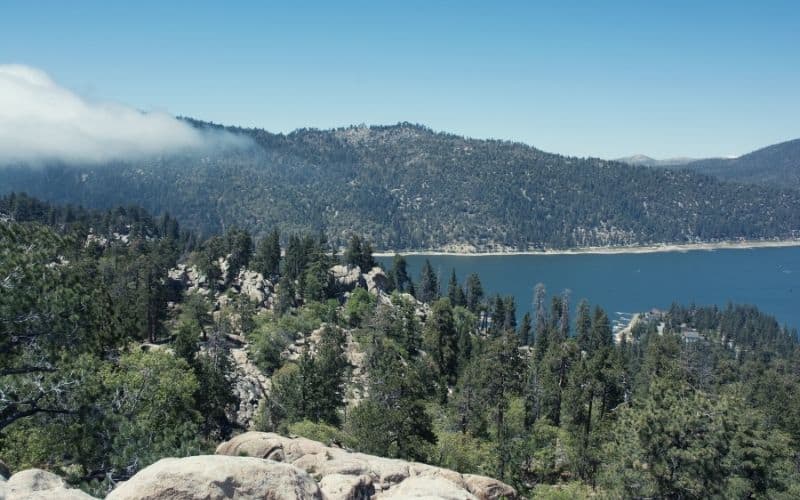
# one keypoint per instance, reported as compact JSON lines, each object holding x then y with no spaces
{"x":218,"y":477}
{"x":346,"y":475}
{"x":270,"y":466}
{"x":37,"y":484}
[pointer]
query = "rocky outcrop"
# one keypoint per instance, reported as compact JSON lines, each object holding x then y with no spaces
{"x":270,"y":466}
{"x":376,"y":281}
{"x":249,"y":283}
{"x":36,"y":484}
{"x":213,"y":477}
{"x":346,"y":475}
{"x":486,"y":487}
{"x":428,"y":487}
{"x":250,"y":386}
{"x":5,"y":472}
{"x":254,"y":286}
{"x":347,"y":278}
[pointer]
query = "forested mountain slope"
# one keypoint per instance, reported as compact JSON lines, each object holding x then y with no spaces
{"x":407,"y":187}
{"x":777,"y":165}
{"x":110,"y":360}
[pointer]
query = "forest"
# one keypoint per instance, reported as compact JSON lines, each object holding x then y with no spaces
{"x":107,"y":363}
{"x":406,"y":187}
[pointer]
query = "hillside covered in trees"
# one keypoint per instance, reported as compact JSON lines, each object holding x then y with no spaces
{"x":406,"y":187}
{"x":776,"y":165}
{"x":122,"y":341}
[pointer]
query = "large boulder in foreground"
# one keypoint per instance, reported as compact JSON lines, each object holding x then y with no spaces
{"x":213,"y":477}
{"x":344,"y":475}
{"x":36,"y":484}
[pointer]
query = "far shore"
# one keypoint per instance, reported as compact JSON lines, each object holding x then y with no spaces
{"x":610,"y":250}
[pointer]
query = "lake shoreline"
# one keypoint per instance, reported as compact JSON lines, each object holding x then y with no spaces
{"x":611,"y":250}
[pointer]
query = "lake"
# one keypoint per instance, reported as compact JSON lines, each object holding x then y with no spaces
{"x":623,"y":283}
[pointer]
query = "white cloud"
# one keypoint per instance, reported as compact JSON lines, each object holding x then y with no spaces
{"x":42,"y":121}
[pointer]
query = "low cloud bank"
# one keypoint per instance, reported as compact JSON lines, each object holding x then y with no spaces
{"x":41,"y":121}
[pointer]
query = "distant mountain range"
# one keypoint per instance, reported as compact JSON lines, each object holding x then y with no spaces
{"x":409,"y":188}
{"x":777,"y":165}
{"x":647,"y":161}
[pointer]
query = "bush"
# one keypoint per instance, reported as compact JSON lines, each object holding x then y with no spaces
{"x":324,"y":433}
{"x":359,"y":307}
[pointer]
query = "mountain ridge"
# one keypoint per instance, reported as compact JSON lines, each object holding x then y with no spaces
{"x":407,"y":187}
{"x":777,"y":164}
{"x":647,"y":161}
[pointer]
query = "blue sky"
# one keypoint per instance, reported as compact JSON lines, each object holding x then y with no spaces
{"x":586,"y":78}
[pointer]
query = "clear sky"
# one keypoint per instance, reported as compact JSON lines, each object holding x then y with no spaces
{"x":608,"y":79}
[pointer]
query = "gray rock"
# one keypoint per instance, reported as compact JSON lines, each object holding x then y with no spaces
{"x":345,"y":475}
{"x":345,"y":487}
{"x":253,"y":285}
{"x":347,"y":278}
{"x":376,"y":281}
{"x":213,"y":477}
{"x":487,"y":488}
{"x":37,"y":484}
{"x":254,"y":444}
{"x":428,"y":488}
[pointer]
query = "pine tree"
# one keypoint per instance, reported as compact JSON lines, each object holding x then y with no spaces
{"x":352,"y":254}
{"x":441,"y":341}
{"x":296,"y":258}
{"x":498,"y":317}
{"x":465,"y":324}
{"x":539,"y":295}
{"x":392,"y":421}
{"x":398,"y":275}
{"x":473,"y":293}
{"x":583,"y":325}
{"x":286,"y":295}
{"x":526,"y":330}
{"x":510,"y":318}
{"x":454,"y":291}
{"x":330,"y":365}
{"x":239,"y":245}
{"x":428,"y":289}
{"x":503,"y":380}
{"x":267,"y":259}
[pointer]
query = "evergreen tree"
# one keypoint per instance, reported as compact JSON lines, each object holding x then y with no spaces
{"x":473,"y":293}
{"x":454,"y":291}
{"x":510,"y":317}
{"x":392,"y":420}
{"x":526,"y":330}
{"x":465,"y":324}
{"x":583,"y":325}
{"x":428,"y":289}
{"x":331,"y":367}
{"x":286,"y":296}
{"x":398,"y":275}
{"x":267,"y":259}
{"x":503,"y":380}
{"x":441,"y":341}
{"x":353,"y":255}
{"x":296,"y":258}
{"x":539,"y":295}
{"x":215,"y":397}
{"x":239,"y":245}
{"x":498,"y":317}
{"x":359,"y":253}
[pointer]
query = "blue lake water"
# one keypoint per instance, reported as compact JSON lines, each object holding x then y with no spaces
{"x":766,"y":277}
